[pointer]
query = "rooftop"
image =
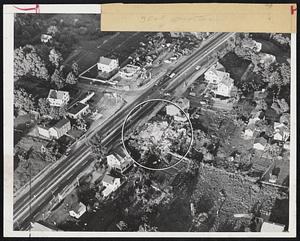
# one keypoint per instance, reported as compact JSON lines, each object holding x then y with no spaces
{"x":227,"y":81}
{"x":260,"y":140}
{"x":77,"y":107}
{"x":57,"y":94}
{"x":80,"y":208}
{"x":108,"y":179}
{"x":61,"y":123}
{"x":105,"y":61}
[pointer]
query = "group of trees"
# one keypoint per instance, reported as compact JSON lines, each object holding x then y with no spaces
{"x":27,"y":62}
{"x":278,"y":76}
{"x":59,"y":78}
{"x":28,"y":28}
{"x":98,"y":149}
{"x":282,"y":39}
{"x":23,"y":102}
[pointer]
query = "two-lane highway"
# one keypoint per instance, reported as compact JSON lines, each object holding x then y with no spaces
{"x":28,"y":205}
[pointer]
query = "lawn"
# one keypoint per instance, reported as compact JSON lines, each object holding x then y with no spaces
{"x":120,"y":45}
{"x":234,"y":65}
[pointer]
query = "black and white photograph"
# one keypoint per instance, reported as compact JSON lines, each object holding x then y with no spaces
{"x":149,"y":131}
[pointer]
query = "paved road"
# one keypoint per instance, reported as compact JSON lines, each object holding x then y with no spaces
{"x":29,"y":204}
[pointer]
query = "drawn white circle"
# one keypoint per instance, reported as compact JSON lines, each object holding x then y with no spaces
{"x":124,"y":124}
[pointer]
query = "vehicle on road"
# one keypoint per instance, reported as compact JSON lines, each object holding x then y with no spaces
{"x":167,"y":93}
{"x":172,"y":75}
{"x":197,"y":67}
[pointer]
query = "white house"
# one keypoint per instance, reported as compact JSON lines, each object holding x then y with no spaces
{"x":224,"y":87}
{"x":57,"y":130}
{"x":111,"y":184}
{"x":216,"y":73}
{"x":78,"y":211}
{"x":45,"y":38}
{"x":107,"y":65}
{"x":260,"y":143}
{"x":43,"y":130}
{"x":248,"y":134}
{"x":77,"y":110}
{"x":58,"y":98}
{"x":281,"y":132}
{"x":119,"y":161}
{"x":60,"y":128}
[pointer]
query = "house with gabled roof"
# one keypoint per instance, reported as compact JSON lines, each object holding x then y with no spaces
{"x":78,"y":210}
{"x":281,"y":132}
{"x":119,"y":161}
{"x":60,"y":128}
{"x":107,"y":65}
{"x":224,"y":87}
{"x":58,"y":98}
{"x":111,"y":184}
{"x":216,"y":73}
{"x":54,"y":129}
{"x":45,"y":38}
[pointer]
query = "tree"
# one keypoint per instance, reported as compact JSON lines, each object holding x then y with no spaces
{"x":58,"y":112}
{"x":278,"y":76}
{"x":28,"y":62}
{"x":52,"y":30}
{"x":57,"y":79}
{"x":281,"y":38}
{"x":44,"y":107}
{"x":55,"y":57}
{"x":23,"y":101}
{"x":71,"y":79}
{"x":147,"y":228}
{"x":285,"y":72}
{"x":75,"y":68}
{"x":98,"y":149}
{"x":48,"y":156}
{"x":81,"y":124}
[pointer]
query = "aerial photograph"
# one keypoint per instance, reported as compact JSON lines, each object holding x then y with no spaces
{"x":149,"y":131}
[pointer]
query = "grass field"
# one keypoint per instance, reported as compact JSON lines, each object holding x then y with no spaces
{"x":120,"y":45}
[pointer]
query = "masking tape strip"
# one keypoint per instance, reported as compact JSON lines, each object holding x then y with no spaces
{"x":199,"y":17}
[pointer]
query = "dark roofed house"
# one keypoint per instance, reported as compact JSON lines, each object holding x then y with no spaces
{"x":60,"y":128}
{"x":77,"y":110}
{"x":54,"y":129}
